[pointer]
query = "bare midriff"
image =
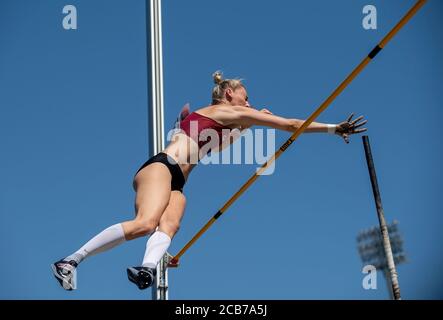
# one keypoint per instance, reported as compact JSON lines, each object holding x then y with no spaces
{"x":184,"y":151}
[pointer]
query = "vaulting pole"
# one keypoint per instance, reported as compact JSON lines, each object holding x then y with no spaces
{"x":174,"y":261}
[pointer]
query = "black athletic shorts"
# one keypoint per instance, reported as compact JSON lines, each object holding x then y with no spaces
{"x":178,"y":180}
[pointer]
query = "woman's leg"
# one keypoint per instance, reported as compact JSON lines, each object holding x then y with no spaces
{"x":153,"y":187}
{"x":153,"y":193}
{"x":159,"y":242}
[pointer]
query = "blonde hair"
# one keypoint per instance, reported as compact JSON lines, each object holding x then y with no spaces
{"x":218,"y":92}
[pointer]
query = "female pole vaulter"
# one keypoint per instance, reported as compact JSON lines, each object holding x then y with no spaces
{"x":160,"y":202}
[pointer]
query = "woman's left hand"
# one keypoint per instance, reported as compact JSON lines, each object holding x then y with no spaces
{"x":346,"y":128}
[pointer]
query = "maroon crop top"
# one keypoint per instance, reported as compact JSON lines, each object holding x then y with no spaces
{"x":195,"y":123}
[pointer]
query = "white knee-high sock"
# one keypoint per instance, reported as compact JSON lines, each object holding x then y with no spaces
{"x":105,"y":240}
{"x":156,"y":247}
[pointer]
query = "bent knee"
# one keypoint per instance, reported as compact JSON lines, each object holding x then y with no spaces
{"x":143,"y":227}
{"x":169,"y":226}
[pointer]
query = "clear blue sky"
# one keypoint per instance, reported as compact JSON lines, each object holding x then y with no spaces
{"x":73,"y":131}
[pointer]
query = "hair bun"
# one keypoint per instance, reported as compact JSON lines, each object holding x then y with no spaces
{"x":218,"y":77}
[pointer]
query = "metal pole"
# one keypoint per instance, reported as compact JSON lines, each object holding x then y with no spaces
{"x":156,"y":118}
{"x":388,"y":283}
{"x":296,"y":134}
{"x":381,"y":219}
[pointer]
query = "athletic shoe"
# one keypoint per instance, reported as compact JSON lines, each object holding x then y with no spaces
{"x":143,"y":277}
{"x":65,"y":273}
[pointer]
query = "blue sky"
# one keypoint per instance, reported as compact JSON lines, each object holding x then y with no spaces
{"x":73,"y":130}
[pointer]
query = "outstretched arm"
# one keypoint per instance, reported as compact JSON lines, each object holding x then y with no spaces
{"x":247,"y":117}
{"x":235,"y":134}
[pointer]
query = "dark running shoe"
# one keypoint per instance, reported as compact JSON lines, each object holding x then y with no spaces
{"x":143,"y":277}
{"x":65,"y":273}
